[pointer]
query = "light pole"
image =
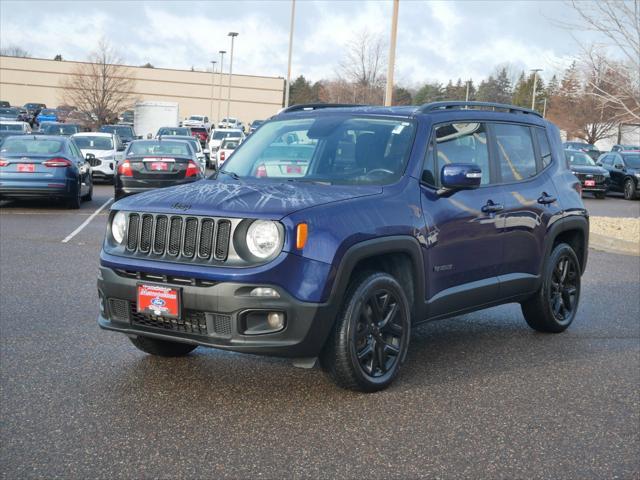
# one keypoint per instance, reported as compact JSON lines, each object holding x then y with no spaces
{"x":535,"y":84}
{"x":466,"y":97}
{"x":388,"y":95}
{"x":233,"y":35}
{"x":213,"y":76}
{"x":221,"y":52}
{"x":293,"y":16}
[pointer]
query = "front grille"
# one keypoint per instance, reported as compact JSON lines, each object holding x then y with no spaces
{"x":183,"y":237}
{"x":583,"y":176}
{"x":191,"y":322}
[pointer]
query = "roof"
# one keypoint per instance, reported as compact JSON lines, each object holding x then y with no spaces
{"x":93,"y":134}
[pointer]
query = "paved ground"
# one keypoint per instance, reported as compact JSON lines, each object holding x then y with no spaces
{"x":612,"y":206}
{"x":481,"y":396}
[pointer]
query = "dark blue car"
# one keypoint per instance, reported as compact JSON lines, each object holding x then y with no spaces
{"x":44,"y":166}
{"x":47,"y":115}
{"x":332,"y":232}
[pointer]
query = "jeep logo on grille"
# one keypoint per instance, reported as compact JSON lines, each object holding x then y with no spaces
{"x":181,"y":206}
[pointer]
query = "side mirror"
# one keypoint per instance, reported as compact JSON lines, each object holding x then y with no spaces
{"x":460,"y":176}
{"x":138,"y":137}
{"x":89,"y":157}
{"x":121,"y":148}
{"x":619,"y":166}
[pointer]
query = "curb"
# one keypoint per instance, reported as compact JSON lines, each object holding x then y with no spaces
{"x":613,"y":245}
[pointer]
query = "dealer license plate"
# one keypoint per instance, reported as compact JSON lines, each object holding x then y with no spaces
{"x":589,"y":183}
{"x":26,"y":167}
{"x":159,"y":300}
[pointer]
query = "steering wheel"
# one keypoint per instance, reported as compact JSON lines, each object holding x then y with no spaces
{"x":380,"y":170}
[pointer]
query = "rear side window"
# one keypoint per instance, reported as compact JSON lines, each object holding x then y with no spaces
{"x":516,"y":156}
{"x":463,"y":143}
{"x":543,"y":145}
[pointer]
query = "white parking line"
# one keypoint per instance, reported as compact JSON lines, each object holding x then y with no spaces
{"x":86,"y":222}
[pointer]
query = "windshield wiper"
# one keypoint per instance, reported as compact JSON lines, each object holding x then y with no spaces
{"x":233,"y":175}
{"x":310,"y":180}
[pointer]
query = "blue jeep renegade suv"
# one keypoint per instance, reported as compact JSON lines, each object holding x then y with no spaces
{"x":333,"y":231}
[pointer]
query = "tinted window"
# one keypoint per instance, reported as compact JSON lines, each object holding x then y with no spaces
{"x":173,"y":131}
{"x":159,"y":148}
{"x":463,"y":143}
{"x":516,"y":156}
{"x":29,"y":145}
{"x":429,"y":173}
{"x":632,"y":159}
{"x":578,"y":158}
{"x":14,"y":127}
{"x":607,"y":160}
{"x":543,"y":145}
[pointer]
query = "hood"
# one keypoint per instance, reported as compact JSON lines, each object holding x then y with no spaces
{"x":587,"y":169}
{"x":98,"y":153}
{"x":246,"y":199}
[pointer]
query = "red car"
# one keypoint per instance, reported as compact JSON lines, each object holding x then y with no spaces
{"x":201,"y":134}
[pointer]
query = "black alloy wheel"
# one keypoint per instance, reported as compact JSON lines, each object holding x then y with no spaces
{"x":378,"y":333}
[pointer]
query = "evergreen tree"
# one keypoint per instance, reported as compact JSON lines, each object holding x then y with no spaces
{"x":300,"y":92}
{"x":429,"y":92}
{"x":401,"y":96}
{"x":489,"y":91}
{"x":503,"y":87}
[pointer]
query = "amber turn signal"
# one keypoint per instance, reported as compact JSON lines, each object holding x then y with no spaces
{"x":301,"y":235}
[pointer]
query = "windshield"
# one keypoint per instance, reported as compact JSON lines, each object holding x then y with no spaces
{"x":8,"y":111}
{"x":173,"y":131}
{"x":333,"y":149}
{"x":94,"y":143}
{"x":220,"y":134}
{"x":579,"y":158}
{"x":123,"y":132}
{"x":159,"y":148}
{"x":229,"y":120}
{"x":196,"y":118}
{"x":29,"y":145}
{"x":10,"y":127}
{"x":47,"y":112}
{"x":632,"y":159}
{"x":58,"y":129}
{"x":198,"y":130}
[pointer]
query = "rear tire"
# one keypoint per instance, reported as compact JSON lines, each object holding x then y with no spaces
{"x":629,"y":189}
{"x":162,"y":348}
{"x":76,"y":200}
{"x":370,"y":339}
{"x":554,"y":306}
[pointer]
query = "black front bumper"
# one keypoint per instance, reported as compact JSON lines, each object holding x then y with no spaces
{"x":212,"y":316}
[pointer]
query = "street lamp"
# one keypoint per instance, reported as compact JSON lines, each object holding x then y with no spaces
{"x":233,"y":35}
{"x":221,"y":52}
{"x":213,"y":71}
{"x":535,"y":84}
{"x":293,"y":16}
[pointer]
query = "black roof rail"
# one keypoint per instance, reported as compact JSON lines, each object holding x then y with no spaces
{"x":439,"y":106}
{"x":316,"y":106}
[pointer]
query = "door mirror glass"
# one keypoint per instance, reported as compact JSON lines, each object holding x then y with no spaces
{"x":460,"y":176}
{"x":619,"y":166}
{"x":89,"y":157}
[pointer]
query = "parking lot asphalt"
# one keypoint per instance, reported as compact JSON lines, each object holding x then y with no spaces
{"x":480,"y":396}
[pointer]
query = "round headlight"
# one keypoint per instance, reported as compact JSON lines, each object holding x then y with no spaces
{"x":263,"y":238}
{"x":119,"y":227}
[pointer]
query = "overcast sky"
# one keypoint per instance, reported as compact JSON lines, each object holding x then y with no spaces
{"x":436,"y":40}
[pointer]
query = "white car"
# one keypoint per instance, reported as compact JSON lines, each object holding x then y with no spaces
{"x":107,"y":148}
{"x":12,"y":126}
{"x":197,"y":121}
{"x":231,"y":123}
{"x":216,"y":137}
{"x":195,"y":144}
{"x":226,"y":149}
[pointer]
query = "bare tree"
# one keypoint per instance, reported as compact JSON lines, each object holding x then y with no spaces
{"x":101,"y":88}
{"x":619,"y":22}
{"x":363,"y":66}
{"x":14,"y":51}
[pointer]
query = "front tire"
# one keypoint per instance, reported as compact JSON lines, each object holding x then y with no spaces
{"x":162,"y":348}
{"x":554,"y":306}
{"x":629,"y":189}
{"x":371,"y":336}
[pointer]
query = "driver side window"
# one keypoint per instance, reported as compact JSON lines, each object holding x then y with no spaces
{"x":462,"y":143}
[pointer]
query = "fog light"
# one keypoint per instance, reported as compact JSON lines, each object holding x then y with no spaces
{"x":275,"y":320}
{"x":101,"y":305}
{"x":264,"y":292}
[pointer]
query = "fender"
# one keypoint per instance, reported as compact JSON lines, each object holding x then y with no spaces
{"x":571,"y":221}
{"x":379,"y":246}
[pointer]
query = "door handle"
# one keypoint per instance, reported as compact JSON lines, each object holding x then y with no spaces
{"x":546,"y":199}
{"x":491,"y":207}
